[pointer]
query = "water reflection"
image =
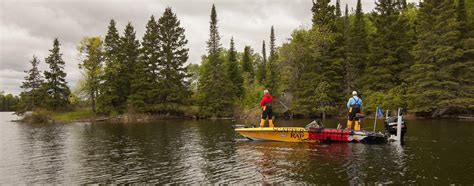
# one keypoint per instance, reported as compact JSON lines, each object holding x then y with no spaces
{"x":43,"y":153}
{"x":199,"y":152}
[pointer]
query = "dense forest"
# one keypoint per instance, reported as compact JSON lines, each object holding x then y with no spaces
{"x":418,"y":57}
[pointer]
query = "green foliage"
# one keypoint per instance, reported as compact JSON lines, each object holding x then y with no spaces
{"x":233,"y":70}
{"x":91,"y":52}
{"x":358,"y":45}
{"x":431,"y":82}
{"x":56,"y":85}
{"x":214,"y":85}
{"x":34,"y":94}
{"x":108,"y":99}
{"x":272,"y":72}
{"x":131,"y":71}
{"x":8,"y":102}
{"x":392,"y":99}
{"x":69,"y":116}
{"x":261,"y":67}
{"x":173,"y":89}
{"x":390,"y":47}
{"x":247,"y":63}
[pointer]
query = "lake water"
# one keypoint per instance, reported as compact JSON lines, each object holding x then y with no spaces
{"x":184,"y":151}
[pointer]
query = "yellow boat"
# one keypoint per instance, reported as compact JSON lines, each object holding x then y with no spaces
{"x":300,"y":134}
{"x":286,"y":134}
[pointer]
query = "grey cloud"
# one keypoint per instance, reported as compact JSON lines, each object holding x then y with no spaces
{"x":29,"y":26}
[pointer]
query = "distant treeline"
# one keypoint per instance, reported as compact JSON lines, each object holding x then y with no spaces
{"x":8,"y":102}
{"x":400,"y":55}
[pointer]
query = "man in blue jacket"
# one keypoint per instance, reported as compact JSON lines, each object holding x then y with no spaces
{"x":354,"y":105}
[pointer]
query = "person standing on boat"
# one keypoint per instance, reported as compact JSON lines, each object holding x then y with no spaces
{"x":354,"y":105}
{"x":267,"y":111}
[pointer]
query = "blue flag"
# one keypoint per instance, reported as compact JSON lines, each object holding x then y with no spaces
{"x":379,"y":112}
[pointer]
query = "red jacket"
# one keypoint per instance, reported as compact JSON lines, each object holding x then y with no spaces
{"x":267,"y":98}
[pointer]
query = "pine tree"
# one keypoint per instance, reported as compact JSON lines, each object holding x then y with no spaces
{"x":175,"y":90}
{"x":31,"y":97}
{"x":234,"y":71}
{"x":272,"y":74}
{"x":108,"y":98}
{"x":358,"y":45}
{"x":247,"y":64}
{"x":56,"y":85}
{"x":130,"y":68}
{"x":261,"y":70}
{"x":214,"y":83}
{"x":431,"y":83}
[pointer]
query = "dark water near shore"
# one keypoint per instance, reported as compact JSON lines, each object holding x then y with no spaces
{"x":436,"y":152}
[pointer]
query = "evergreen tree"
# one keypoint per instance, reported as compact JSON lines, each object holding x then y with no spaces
{"x":464,"y":65}
{"x":108,"y":98}
{"x":175,"y":91}
{"x":323,"y":13}
{"x":349,"y":72}
{"x":32,"y":95}
{"x":145,"y":78}
{"x":338,"y":9}
{"x":131,"y":70}
{"x":272,"y":73}
{"x":389,"y":53}
{"x":431,"y":83}
{"x":247,"y":64}
{"x":213,"y":82}
{"x":462,"y":18}
{"x":233,"y":70}
{"x":358,"y":47}
{"x":56,"y":85}
{"x":261,"y":70}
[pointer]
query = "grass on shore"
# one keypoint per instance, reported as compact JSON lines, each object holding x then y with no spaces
{"x":74,"y":115}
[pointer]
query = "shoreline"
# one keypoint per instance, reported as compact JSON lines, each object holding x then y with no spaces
{"x":56,"y":118}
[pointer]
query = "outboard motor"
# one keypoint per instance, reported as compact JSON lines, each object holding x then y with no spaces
{"x":391,"y":126}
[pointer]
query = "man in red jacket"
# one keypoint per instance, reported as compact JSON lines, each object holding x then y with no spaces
{"x":267,"y":111}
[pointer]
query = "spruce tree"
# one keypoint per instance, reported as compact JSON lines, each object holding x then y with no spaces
{"x":464,"y":65}
{"x":349,"y":72}
{"x":261,"y":70}
{"x":214,"y":83}
{"x":271,"y":75}
{"x":56,"y":85}
{"x":108,"y":98}
{"x":174,"y":89}
{"x":247,"y":64}
{"x":338,"y":9}
{"x":130,"y":68}
{"x":390,"y":47}
{"x":431,"y":81}
{"x":323,"y":13}
{"x":31,"y":97}
{"x":358,"y":45}
{"x":234,"y":71}
{"x":145,"y":75}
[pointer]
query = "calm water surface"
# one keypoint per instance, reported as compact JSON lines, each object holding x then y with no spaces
{"x":436,"y":152}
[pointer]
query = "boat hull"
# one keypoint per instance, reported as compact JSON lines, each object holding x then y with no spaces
{"x":299,"y":134}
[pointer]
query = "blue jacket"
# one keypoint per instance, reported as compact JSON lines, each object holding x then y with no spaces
{"x":354,"y":100}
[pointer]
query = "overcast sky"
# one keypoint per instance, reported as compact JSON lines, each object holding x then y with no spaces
{"x":28,"y":27}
